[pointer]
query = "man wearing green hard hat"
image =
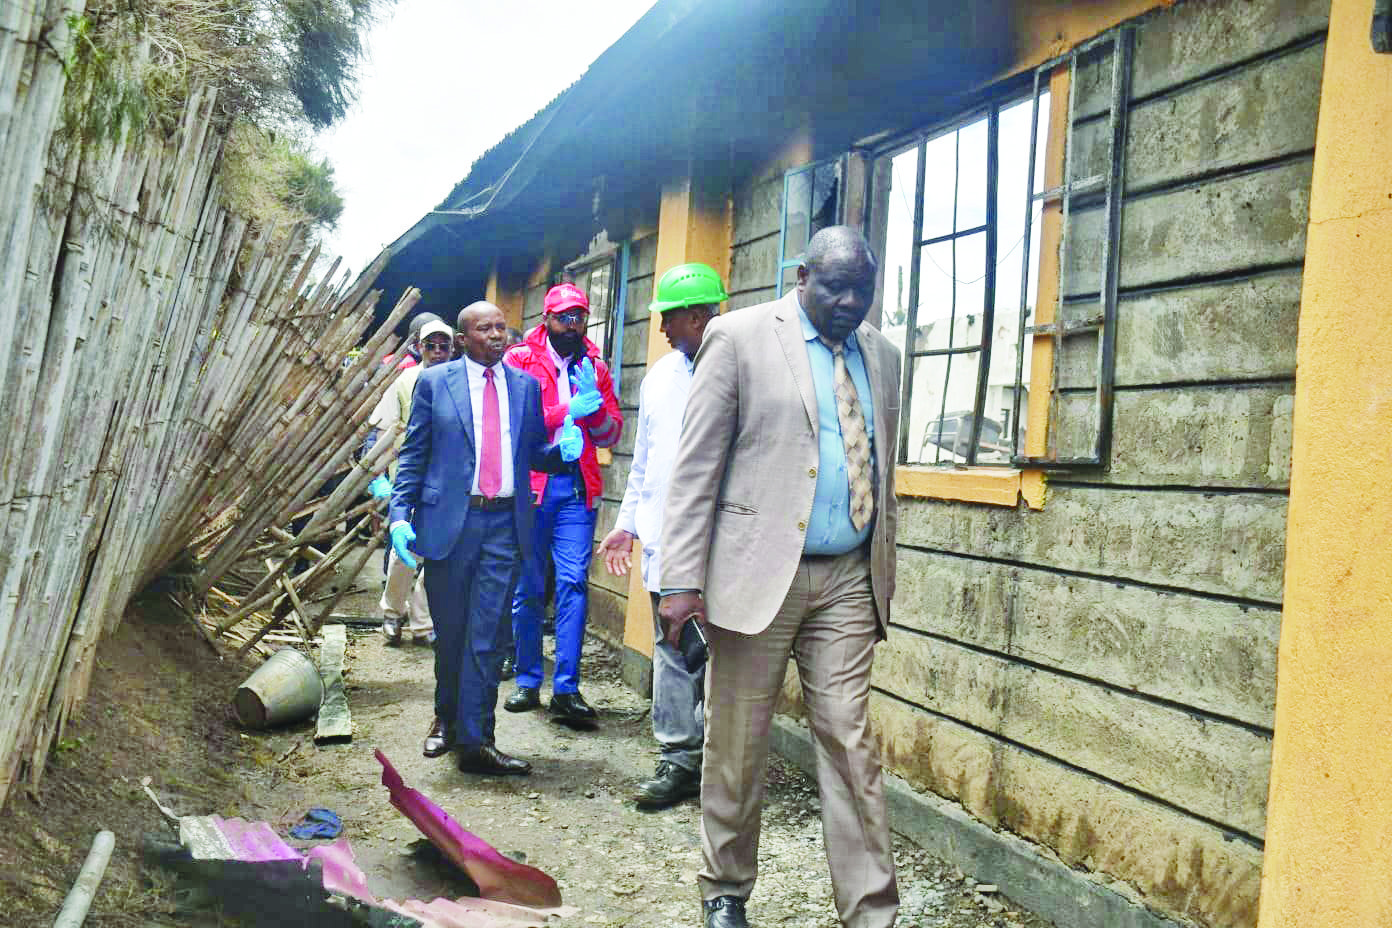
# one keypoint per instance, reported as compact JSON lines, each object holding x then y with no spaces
{"x":688,"y":296}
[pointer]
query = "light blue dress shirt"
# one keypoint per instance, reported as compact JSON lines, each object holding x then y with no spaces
{"x":829,"y":528}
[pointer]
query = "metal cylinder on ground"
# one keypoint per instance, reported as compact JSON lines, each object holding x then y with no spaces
{"x":286,"y":688}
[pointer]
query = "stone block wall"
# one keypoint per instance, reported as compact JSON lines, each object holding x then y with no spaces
{"x":1098,"y":677}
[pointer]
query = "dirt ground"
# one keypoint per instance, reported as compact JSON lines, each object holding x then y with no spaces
{"x":160,"y":708}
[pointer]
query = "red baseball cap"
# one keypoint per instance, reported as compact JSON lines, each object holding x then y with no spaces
{"x":565,"y":296}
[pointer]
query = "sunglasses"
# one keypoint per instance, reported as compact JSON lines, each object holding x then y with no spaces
{"x":571,"y":316}
{"x":436,"y":344}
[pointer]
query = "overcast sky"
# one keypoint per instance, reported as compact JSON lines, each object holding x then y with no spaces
{"x":445,"y":81}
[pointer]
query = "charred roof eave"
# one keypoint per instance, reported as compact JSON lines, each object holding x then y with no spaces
{"x":659,"y":96}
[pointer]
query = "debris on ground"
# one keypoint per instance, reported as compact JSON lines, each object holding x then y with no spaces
{"x":286,"y":688}
{"x":497,"y":877}
{"x":159,"y":709}
{"x":245,"y":868}
{"x":335,"y":721}
{"x":318,"y":824}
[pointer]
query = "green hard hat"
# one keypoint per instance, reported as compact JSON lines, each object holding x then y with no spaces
{"x":688,"y":285}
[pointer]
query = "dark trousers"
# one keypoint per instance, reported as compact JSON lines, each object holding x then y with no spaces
{"x":469,"y":593}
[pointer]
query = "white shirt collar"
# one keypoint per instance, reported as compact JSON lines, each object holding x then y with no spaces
{"x":496,"y":367}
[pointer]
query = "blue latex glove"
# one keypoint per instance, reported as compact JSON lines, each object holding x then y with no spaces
{"x":571,"y":441}
{"x":584,"y":403}
{"x":583,"y":378}
{"x":584,"y":385}
{"x":380,"y":487}
{"x":401,"y":537}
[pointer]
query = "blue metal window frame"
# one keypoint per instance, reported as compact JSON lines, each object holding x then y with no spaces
{"x":840,"y":163}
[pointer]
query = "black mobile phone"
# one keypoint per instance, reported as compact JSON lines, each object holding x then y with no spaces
{"x":691,"y":642}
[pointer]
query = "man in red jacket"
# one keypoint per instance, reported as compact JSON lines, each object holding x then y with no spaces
{"x":576,"y":383}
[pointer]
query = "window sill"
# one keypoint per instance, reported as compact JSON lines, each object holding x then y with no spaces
{"x":993,"y":486}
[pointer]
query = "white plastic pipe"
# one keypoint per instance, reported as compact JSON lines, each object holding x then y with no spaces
{"x":79,"y":900}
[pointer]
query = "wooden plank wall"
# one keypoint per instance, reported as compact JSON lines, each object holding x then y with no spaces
{"x":1099,"y":676}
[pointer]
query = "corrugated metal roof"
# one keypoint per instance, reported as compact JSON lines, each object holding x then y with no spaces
{"x":719,"y":81}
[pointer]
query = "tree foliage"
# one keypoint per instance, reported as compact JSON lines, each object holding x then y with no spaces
{"x":325,"y":38}
{"x":273,"y":177}
{"x":279,"y":67}
{"x":310,"y":189}
{"x":281,"y":63}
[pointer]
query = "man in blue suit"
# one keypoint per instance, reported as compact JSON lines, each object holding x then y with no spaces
{"x":461,"y":501}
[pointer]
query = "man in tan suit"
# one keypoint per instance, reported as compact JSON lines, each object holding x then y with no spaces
{"x":778,"y":540}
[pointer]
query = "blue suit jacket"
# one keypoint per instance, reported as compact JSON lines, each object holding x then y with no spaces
{"x":435,"y":469}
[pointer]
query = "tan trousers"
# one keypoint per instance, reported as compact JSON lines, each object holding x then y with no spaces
{"x":827,"y":623}
{"x":403,"y":597}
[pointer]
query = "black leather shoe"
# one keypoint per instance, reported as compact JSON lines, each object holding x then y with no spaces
{"x":725,"y":912}
{"x":525,"y":699}
{"x":489,"y":761}
{"x":571,"y":707}
{"x":508,"y":669}
{"x":438,"y":741}
{"x":671,"y":785}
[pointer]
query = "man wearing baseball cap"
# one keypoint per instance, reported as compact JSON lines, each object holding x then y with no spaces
{"x":574,"y":382}
{"x":403,"y":595}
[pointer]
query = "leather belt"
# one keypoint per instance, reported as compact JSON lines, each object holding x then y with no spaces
{"x":861,"y":550}
{"x":496,"y":504}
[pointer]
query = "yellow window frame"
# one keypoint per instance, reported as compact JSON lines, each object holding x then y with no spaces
{"x":996,"y":486}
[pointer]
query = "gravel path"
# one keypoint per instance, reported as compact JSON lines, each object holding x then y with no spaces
{"x":572,"y":817}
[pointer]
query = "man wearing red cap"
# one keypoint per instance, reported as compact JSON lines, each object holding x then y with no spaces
{"x":576,"y":383}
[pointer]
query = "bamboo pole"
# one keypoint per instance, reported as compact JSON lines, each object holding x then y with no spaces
{"x":177,"y":386}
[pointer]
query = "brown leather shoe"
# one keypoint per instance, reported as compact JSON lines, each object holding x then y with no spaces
{"x":437,"y":742}
{"x":489,"y":761}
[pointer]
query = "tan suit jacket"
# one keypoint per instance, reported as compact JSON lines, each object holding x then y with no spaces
{"x":741,"y":490}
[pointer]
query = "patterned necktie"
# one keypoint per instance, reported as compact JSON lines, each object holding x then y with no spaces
{"x":855,"y":438}
{"x":491,"y":455}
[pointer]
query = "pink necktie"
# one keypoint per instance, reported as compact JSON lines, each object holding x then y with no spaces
{"x":491,"y":456}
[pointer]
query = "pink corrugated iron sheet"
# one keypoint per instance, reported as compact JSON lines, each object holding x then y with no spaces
{"x":253,"y":841}
{"x":516,"y":895}
{"x":498,"y":878}
{"x":341,"y":871}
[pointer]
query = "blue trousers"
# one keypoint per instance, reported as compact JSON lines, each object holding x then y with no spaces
{"x":468,"y":592}
{"x":564,"y":536}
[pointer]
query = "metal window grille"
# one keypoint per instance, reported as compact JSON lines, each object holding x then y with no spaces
{"x":955,"y":434}
{"x":1077,"y":323}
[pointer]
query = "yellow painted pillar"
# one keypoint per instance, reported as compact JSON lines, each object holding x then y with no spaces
{"x":693,"y":224}
{"x":1329,"y":819}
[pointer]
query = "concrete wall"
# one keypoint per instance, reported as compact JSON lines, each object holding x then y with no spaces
{"x":532,"y":299}
{"x":1099,"y":677}
{"x":758,"y":216}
